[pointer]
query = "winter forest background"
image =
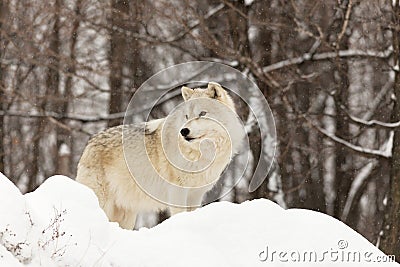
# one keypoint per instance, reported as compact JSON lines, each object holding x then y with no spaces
{"x":329,"y":70}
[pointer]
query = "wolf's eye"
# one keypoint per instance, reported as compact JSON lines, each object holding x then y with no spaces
{"x":187,"y":117}
{"x":203,"y":113}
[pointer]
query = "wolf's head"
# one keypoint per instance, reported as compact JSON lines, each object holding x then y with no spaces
{"x":203,"y":131}
{"x":209,"y":114}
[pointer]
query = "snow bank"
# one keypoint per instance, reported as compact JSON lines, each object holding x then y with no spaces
{"x":61,"y":224}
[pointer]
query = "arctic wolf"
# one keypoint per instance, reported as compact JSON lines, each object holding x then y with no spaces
{"x":189,"y":149}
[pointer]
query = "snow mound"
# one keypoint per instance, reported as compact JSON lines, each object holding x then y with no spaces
{"x":61,"y":224}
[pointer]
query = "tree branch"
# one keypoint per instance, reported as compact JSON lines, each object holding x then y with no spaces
{"x":387,"y":153}
{"x":328,"y":55}
{"x":58,"y":116}
{"x":374,"y":122}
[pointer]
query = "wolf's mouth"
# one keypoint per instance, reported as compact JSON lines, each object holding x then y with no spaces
{"x":189,"y":139}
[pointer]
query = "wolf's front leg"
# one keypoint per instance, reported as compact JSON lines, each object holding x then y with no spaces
{"x":193,"y":201}
{"x":195,"y":197}
{"x":177,"y":196}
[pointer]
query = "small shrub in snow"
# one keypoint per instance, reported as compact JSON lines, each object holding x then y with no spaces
{"x":19,"y":248}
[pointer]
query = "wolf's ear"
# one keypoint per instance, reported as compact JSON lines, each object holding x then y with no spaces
{"x":215,"y":90}
{"x":186,"y":92}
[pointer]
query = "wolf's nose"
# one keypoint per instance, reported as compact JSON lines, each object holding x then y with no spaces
{"x":185,"y":132}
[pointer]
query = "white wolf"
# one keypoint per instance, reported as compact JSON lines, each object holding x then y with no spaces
{"x":206,"y":114}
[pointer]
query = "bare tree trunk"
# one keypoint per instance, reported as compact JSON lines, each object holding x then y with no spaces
{"x":316,"y":198}
{"x":239,"y":33}
{"x":34,"y":163}
{"x":66,"y":162}
{"x":343,"y":173}
{"x":240,"y":42}
{"x":53,"y":83}
{"x":3,"y":15}
{"x":33,"y":167}
{"x":139,"y":71}
{"x":343,"y":164}
{"x":262,"y":51}
{"x":118,"y":53}
{"x":391,"y":226}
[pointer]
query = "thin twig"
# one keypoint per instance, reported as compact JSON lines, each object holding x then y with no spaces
{"x":345,"y":23}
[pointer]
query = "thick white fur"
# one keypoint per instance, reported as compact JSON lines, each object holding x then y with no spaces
{"x":103,"y":168}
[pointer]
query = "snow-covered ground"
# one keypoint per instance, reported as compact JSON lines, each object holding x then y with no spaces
{"x":61,"y":224}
